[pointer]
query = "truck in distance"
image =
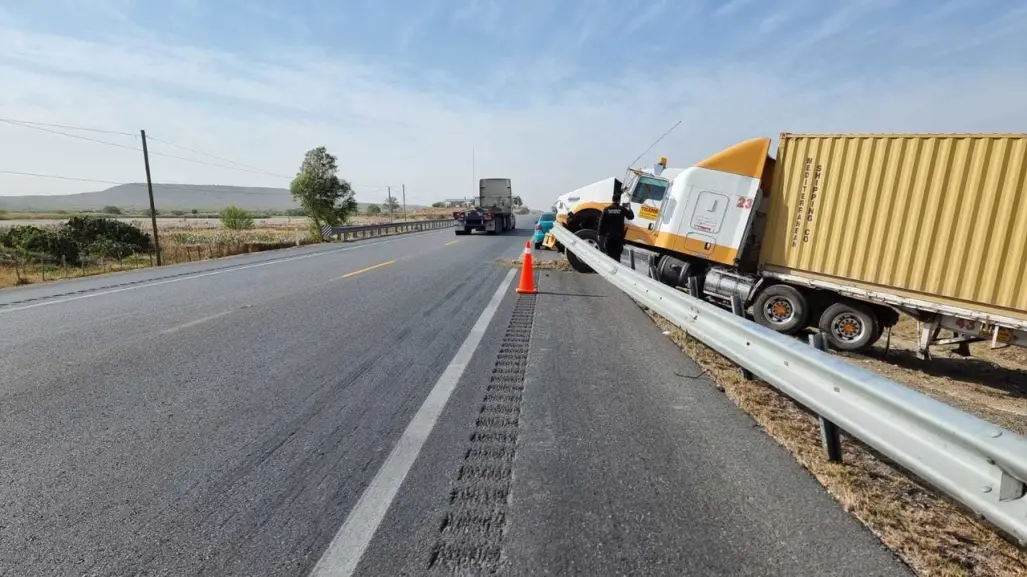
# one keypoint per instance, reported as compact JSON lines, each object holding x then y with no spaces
{"x":844,"y":232}
{"x":493,"y":210}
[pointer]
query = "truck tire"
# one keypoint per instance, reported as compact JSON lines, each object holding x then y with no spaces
{"x":850,"y":326}
{"x":782,"y":308}
{"x":591,"y":237}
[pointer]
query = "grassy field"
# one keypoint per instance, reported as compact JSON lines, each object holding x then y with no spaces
{"x":187,"y":240}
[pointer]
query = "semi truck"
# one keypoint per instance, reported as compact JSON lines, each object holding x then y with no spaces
{"x":493,"y":210}
{"x":843,"y":233}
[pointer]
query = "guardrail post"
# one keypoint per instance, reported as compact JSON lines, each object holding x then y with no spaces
{"x":739,"y":310}
{"x":830,"y":435}
{"x":631,"y":252}
{"x":693,"y":287}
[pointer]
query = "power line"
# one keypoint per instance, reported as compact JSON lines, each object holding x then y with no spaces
{"x":194,"y":151}
{"x":78,"y":136}
{"x":116,"y":145}
{"x":67,"y":126}
{"x":17,"y":173}
{"x":192,"y":187}
{"x":239,"y":166}
{"x":260,"y":172}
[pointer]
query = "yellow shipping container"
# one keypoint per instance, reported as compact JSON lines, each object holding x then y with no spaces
{"x":935,"y":217}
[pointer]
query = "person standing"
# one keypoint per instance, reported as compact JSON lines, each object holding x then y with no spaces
{"x":613,"y":224}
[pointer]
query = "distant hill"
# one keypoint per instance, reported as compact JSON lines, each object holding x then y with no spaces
{"x":166,"y":197}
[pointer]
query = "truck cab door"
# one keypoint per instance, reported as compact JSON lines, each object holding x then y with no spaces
{"x":646,"y":194}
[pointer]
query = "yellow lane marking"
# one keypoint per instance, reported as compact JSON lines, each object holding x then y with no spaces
{"x":365,"y":269}
{"x":452,"y":242}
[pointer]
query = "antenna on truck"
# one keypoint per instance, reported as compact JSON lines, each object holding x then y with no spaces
{"x":671,"y":129}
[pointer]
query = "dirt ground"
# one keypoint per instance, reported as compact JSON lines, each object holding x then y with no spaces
{"x":991,"y":384}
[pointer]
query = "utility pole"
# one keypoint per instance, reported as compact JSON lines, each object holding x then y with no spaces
{"x":404,"y":203}
{"x":388,"y":201}
{"x":149,"y":188}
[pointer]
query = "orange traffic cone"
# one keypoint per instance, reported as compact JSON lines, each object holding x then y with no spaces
{"x":527,"y":285}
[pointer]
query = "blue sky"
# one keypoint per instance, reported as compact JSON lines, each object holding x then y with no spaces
{"x":551,"y":94}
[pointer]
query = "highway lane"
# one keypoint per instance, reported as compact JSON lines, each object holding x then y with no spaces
{"x":222,"y":424}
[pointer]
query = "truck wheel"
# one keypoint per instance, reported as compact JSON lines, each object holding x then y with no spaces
{"x":782,"y":308}
{"x":591,"y":237}
{"x":849,"y":326}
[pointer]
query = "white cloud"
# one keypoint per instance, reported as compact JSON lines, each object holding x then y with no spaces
{"x":266,"y":110}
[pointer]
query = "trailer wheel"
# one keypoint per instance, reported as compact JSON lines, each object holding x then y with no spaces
{"x":850,"y":326}
{"x":591,"y":237}
{"x":782,"y":308}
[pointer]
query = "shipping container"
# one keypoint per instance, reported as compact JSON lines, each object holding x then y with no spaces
{"x":939,"y":218}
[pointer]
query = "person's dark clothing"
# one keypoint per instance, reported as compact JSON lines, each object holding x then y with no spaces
{"x":611,"y":229}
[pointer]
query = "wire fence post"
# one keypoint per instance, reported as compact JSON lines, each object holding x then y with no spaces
{"x":830,"y":435}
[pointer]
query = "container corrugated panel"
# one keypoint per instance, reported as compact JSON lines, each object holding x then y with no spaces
{"x":938,"y":217}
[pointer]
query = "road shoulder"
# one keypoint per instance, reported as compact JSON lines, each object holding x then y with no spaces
{"x":631,"y":462}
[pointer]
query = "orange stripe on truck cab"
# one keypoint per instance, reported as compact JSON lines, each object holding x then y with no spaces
{"x":744,"y":159}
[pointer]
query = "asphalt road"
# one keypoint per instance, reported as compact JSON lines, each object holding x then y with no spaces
{"x":267,"y":416}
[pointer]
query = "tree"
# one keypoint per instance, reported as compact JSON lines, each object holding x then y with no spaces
{"x":111,"y":210}
{"x":235,"y":218}
{"x":327,"y":199}
{"x":517,"y":201}
{"x":439,"y":204}
{"x":373,"y":209}
{"x":392,"y":204}
{"x":194,"y":211}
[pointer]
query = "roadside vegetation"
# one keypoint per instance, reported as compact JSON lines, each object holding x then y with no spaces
{"x":61,"y":244}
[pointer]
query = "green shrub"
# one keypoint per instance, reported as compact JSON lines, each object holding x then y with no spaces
{"x":86,"y":230}
{"x":235,"y":218}
{"x":55,"y":244}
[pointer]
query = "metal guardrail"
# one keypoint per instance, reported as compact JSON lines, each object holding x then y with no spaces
{"x":971,"y":460}
{"x":371,"y":230}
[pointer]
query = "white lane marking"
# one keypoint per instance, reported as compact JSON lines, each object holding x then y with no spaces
{"x":203,"y":274}
{"x":199,"y":321}
{"x":349,"y":544}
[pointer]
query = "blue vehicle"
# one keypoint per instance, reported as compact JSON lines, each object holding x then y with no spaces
{"x":544,"y":224}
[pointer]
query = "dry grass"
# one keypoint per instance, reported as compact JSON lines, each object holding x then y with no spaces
{"x":991,"y":384}
{"x":931,"y":534}
{"x":191,"y":240}
{"x":538,"y":264}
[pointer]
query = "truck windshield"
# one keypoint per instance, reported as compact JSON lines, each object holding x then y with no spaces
{"x":649,"y":188}
{"x":548,"y":216}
